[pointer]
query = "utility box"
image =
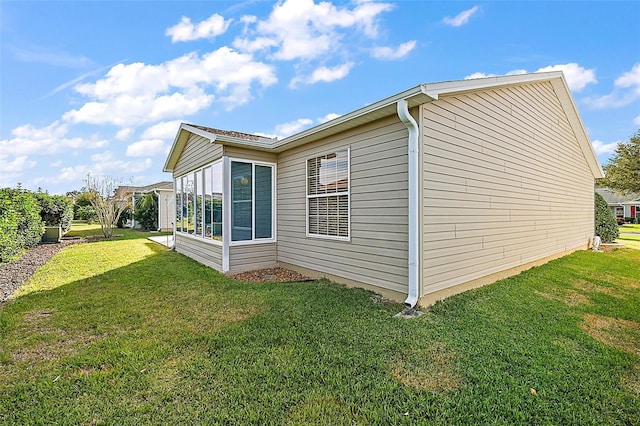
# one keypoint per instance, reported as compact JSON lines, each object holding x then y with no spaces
{"x":52,"y":234}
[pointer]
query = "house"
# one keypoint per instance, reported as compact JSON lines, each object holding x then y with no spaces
{"x":437,"y":189}
{"x":166,"y":202}
{"x":622,"y":206}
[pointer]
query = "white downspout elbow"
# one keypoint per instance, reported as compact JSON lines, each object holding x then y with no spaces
{"x":414,"y":206}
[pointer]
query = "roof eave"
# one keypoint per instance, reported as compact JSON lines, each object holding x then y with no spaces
{"x":383,"y":108}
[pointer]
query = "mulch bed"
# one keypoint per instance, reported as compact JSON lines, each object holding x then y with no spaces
{"x":270,"y":275}
{"x":16,"y":273}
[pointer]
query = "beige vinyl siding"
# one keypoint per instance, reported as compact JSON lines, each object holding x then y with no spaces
{"x":377,"y":251}
{"x":505,"y":183}
{"x":251,"y":256}
{"x":197,"y":249}
{"x":197,"y":152}
{"x":248,"y":154}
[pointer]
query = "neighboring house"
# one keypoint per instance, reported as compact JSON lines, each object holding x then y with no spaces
{"x":166,"y":202}
{"x":429,"y":192}
{"x":622,"y":206}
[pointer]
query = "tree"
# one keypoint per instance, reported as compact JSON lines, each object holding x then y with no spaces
{"x":605,"y":223}
{"x":108,"y":200}
{"x":146,"y":211}
{"x":623,"y":171}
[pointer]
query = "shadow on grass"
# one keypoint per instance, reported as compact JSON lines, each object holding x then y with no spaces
{"x":168,"y":340}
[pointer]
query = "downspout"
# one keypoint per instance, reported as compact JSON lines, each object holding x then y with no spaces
{"x":414,"y":206}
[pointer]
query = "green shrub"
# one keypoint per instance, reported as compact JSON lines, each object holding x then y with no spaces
{"x":55,"y":210}
{"x":605,"y":223}
{"x":20,"y":221}
{"x":10,"y":246}
{"x":630,"y":219}
{"x":82,"y":200}
{"x":146,"y":211}
{"x":86,"y":213}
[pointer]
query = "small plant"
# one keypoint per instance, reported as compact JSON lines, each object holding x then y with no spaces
{"x":606,"y":226}
{"x":630,"y":219}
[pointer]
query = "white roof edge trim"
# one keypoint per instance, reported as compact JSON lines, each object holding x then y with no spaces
{"x":457,"y":86}
{"x":578,"y":128}
{"x":391,"y":100}
{"x":166,"y":168}
{"x":207,"y":135}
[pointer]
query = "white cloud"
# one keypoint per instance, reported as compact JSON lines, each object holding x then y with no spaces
{"x":328,"y":117}
{"x":390,"y":53}
{"x":461,"y":18}
{"x":163,"y":130}
{"x":146,"y":148}
{"x":15,"y":166}
{"x":636,"y":121}
{"x":630,"y":78}
{"x":577,"y":77}
{"x":108,"y":164}
{"x":326,"y":74}
{"x":48,"y":140}
{"x":303,"y":29}
{"x":137,"y":94}
{"x":124,"y":134}
{"x":292,"y":127}
{"x":214,"y":26}
{"x":626,"y":90}
{"x":323,"y":74}
{"x":479,"y":75}
{"x":604,"y":148}
{"x":51,"y":56}
{"x":127,"y":110}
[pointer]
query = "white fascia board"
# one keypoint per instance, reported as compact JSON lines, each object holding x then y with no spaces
{"x":207,"y":135}
{"x":460,"y":86}
{"x":388,"y":103}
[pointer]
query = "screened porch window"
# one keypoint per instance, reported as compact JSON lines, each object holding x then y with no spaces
{"x":328,"y":195}
{"x":199,"y":202}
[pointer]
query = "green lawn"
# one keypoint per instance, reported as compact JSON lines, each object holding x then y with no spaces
{"x":127,"y":332}
{"x":630,"y":241}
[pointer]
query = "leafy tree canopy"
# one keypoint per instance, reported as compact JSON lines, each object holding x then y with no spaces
{"x":623,"y":171}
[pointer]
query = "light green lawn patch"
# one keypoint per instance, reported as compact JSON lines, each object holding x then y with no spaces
{"x":127,"y":332}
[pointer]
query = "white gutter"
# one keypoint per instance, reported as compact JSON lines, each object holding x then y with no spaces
{"x":414,"y":206}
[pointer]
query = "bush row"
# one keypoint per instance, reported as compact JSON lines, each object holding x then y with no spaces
{"x":23,"y":216}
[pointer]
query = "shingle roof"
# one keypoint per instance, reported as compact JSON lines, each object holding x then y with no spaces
{"x":231,"y":133}
{"x":613,"y":198}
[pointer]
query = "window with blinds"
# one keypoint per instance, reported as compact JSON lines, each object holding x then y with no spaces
{"x":328,"y":195}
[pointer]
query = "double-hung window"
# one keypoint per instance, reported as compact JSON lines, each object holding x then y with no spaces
{"x":328,"y":200}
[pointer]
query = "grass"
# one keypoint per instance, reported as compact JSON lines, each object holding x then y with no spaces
{"x":630,"y":241}
{"x":126,"y":332}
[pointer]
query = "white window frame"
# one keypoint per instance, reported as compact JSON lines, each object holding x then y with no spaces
{"x":347,"y":193}
{"x":201,"y":237}
{"x":227,"y":210}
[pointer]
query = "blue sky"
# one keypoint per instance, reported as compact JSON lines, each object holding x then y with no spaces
{"x":101,"y":87}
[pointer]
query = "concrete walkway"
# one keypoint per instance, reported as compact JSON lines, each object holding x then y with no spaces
{"x":165,"y":240}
